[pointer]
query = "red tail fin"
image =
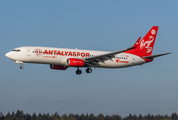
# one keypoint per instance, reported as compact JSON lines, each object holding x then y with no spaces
{"x":145,"y":46}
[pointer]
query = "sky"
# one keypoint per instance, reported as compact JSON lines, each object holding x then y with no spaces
{"x":96,"y":25}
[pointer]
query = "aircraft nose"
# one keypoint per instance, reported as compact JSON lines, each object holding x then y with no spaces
{"x":7,"y":55}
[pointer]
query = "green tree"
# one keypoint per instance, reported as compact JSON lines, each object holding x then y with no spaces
{"x":134,"y":117}
{"x":56,"y":115}
{"x":28,"y":116}
{"x":63,"y":117}
{"x":19,"y":114}
{"x":40,"y":116}
{"x":48,"y":116}
{"x":129,"y":117}
{"x":13,"y":114}
{"x":100,"y":117}
{"x":77,"y":116}
{"x":44,"y":116}
{"x":116,"y":117}
{"x":140,"y":117}
{"x":1,"y":116}
{"x":8,"y":115}
{"x":174,"y":116}
{"x":91,"y":116}
{"x":34,"y":116}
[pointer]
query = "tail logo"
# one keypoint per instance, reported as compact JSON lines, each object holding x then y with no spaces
{"x":153,"y":32}
{"x":146,"y":44}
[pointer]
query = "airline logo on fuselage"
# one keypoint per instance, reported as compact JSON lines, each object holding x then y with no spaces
{"x":39,"y":52}
{"x":120,"y":61}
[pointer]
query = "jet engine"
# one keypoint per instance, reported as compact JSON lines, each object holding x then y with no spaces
{"x":74,"y":62}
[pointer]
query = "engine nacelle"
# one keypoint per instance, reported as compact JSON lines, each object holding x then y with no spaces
{"x":58,"y":67}
{"x":74,"y":62}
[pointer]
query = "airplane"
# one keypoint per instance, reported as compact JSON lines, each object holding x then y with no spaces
{"x":62,"y":58}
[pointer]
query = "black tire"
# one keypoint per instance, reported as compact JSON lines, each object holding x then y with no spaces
{"x":21,"y":67}
{"x":78,"y":72}
{"x":88,"y":70}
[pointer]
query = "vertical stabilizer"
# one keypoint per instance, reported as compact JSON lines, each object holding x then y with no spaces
{"x":145,"y":46}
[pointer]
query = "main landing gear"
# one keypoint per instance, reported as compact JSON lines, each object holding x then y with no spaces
{"x":78,"y":72}
{"x":88,"y":70}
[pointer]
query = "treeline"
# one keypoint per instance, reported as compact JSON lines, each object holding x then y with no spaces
{"x":19,"y":115}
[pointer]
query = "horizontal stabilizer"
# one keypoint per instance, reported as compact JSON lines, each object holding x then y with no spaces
{"x":154,"y":56}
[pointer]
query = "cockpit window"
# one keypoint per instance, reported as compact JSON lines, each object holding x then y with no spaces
{"x":16,"y":50}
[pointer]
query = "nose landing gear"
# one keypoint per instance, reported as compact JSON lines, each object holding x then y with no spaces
{"x":19,"y":62}
{"x":21,"y":67}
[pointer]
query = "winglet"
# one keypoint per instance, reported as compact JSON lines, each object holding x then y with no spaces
{"x":137,"y":42}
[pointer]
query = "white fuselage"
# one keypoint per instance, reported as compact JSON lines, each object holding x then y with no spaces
{"x":58,"y":56}
{"x":62,"y":58}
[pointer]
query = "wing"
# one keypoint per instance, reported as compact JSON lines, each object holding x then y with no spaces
{"x":103,"y":57}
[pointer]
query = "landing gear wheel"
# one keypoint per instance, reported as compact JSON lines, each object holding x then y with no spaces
{"x":21,"y":67}
{"x":88,"y":70}
{"x":78,"y":72}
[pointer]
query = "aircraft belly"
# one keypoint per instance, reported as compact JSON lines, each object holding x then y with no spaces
{"x":55,"y":61}
{"x":113,"y":64}
{"x":43,"y":60}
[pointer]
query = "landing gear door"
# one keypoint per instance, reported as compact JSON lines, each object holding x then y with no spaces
{"x":28,"y":52}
